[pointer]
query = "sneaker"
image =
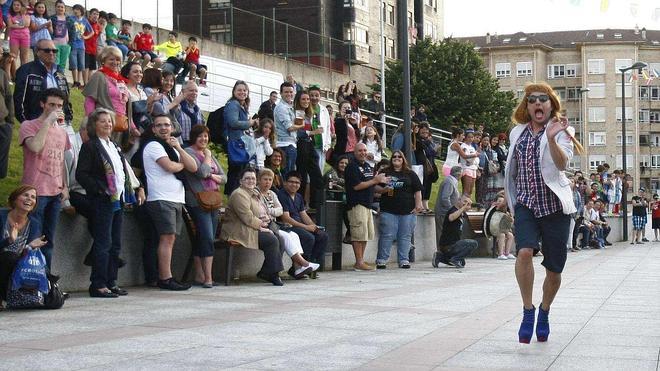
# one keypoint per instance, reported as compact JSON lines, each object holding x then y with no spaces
{"x":404,"y":265}
{"x":314,"y":266}
{"x":301,"y":272}
{"x":608,"y":243}
{"x":364,"y":267}
{"x":434,"y":260}
{"x":381,"y":266}
{"x":645,"y":239}
{"x":173,"y":285}
{"x":456,"y":263}
{"x":510,"y":256}
{"x":502,"y":257}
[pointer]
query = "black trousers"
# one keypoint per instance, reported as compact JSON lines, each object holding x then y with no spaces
{"x":270,"y":245}
{"x":8,"y":261}
{"x":307,"y":164}
{"x":5,"y":142}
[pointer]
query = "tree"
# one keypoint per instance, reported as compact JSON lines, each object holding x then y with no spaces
{"x":449,"y":78}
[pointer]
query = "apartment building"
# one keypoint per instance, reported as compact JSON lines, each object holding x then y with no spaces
{"x":583,"y":68}
{"x":319,"y":32}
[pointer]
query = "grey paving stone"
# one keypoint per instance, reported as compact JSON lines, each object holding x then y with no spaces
{"x":500,"y":361}
{"x":589,"y":363}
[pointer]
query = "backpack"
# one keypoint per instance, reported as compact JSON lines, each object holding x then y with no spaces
{"x":216,"y":125}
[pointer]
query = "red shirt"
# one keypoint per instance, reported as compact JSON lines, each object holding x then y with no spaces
{"x":655,"y":210}
{"x":90,"y":44}
{"x":192,"y":56}
{"x":144,"y":42}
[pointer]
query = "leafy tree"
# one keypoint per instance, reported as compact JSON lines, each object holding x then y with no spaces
{"x":449,"y":78}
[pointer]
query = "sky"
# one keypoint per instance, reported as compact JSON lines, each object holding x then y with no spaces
{"x":477,"y":17}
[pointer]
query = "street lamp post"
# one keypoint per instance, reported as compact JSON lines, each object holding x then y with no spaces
{"x":584,"y":164}
{"x":624,"y":194}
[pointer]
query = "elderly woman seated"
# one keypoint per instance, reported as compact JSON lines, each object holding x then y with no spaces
{"x":246,"y":221}
{"x":289,"y":239}
{"x":19,"y":230}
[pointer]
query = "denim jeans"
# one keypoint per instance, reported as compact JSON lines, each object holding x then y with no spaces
{"x":206,"y":223}
{"x":460,"y":250}
{"x":47,"y":212}
{"x":586,"y":236}
{"x":313,"y":244}
{"x":106,"y":230}
{"x":391,"y":227}
{"x":291,"y":153}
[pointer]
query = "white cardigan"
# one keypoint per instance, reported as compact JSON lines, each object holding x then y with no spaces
{"x":554,"y":178}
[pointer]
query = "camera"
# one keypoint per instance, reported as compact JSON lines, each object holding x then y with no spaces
{"x":349,"y":112}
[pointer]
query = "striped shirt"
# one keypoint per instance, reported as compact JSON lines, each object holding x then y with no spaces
{"x":532,"y":190}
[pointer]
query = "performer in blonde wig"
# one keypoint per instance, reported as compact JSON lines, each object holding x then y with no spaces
{"x":540,"y":197}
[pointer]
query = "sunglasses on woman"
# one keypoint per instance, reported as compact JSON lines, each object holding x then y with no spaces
{"x":533,"y":98}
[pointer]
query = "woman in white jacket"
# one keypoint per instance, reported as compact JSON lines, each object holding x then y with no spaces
{"x":264,"y":139}
{"x":289,"y":239}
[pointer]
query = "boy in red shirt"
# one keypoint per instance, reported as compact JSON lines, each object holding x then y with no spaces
{"x":655,"y":217}
{"x":90,"y":44}
{"x":144,"y":45}
{"x":192,"y":62}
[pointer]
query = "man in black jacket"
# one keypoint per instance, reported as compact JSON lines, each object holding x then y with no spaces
{"x":267,"y":107}
{"x":35,"y":77}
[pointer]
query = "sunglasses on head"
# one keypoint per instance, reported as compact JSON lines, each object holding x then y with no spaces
{"x":542,"y":98}
{"x":46,"y":50}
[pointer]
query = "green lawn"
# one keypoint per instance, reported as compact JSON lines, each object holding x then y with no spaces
{"x":15,"y":170}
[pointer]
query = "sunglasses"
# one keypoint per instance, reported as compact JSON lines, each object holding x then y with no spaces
{"x":533,"y":98}
{"x":396,"y":156}
{"x":46,"y":50}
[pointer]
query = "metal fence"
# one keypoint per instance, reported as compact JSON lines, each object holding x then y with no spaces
{"x":242,"y":28}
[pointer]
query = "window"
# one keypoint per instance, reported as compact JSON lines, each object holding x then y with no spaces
{"x":629,"y":138}
{"x":654,"y":117}
{"x":573,"y":70}
{"x":390,"y":48}
{"x":220,"y":33}
{"x":596,"y":66}
{"x":596,"y":90}
{"x":520,"y":93}
{"x":628,"y":88}
{"x":561,"y":92}
{"x":502,"y":70}
{"x":390,"y":18}
{"x":644,"y":116}
{"x":655,"y":140}
{"x":629,"y":114}
{"x":630,"y":163}
{"x":573,"y":93}
{"x":523,"y":69}
{"x":655,"y":161}
{"x":597,"y":138}
{"x":575,"y":162}
{"x":556,"y":71}
{"x":359,"y":34}
{"x":362,"y":4}
{"x":595,"y":160}
{"x":596,"y":114}
{"x":622,"y":63}
{"x":644,"y":139}
{"x":215,"y":4}
{"x":644,"y":161}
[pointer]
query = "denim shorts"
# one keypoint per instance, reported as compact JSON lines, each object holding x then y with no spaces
{"x":552,"y":231}
{"x":77,"y":59}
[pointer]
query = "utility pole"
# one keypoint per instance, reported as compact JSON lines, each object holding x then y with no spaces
{"x":405,"y":60}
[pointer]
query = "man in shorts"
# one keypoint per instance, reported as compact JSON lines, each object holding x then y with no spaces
{"x":164,"y":160}
{"x":540,"y":197}
{"x":639,"y":218}
{"x":360,"y":183}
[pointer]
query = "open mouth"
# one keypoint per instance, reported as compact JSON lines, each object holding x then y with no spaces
{"x":539,"y":114}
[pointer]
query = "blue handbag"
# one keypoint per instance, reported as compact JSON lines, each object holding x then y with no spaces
{"x":30,"y":272}
{"x":237,"y":153}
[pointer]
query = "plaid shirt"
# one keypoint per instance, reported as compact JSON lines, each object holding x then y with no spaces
{"x":532,"y":190}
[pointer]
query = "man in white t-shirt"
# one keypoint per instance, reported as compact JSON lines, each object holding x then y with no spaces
{"x":163,"y":158}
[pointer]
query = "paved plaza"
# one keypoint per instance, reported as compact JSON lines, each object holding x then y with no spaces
{"x":604,"y":318}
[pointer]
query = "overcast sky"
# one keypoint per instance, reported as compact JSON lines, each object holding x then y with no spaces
{"x":476,"y":17}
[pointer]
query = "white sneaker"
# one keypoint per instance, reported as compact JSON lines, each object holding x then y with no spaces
{"x":314,"y":266}
{"x":510,"y":256}
{"x":501,"y":257}
{"x":302,"y":271}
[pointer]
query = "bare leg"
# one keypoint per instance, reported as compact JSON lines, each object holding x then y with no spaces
{"x":299,"y":261}
{"x":358,"y":250}
{"x":165,"y":245}
{"x":207,"y":267}
{"x":193,"y":70}
{"x":550,"y":287}
{"x":500,"y":244}
{"x":525,"y":275}
{"x":24,"y":55}
{"x":509,"y":243}
{"x":199,"y":270}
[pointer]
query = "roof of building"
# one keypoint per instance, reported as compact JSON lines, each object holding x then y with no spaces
{"x":566,"y":39}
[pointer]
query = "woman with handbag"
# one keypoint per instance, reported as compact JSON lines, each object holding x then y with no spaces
{"x":108,"y":89}
{"x":243,"y":223}
{"x":497,"y":160}
{"x":288,"y":239}
{"x":238,"y":127}
{"x":110,"y":183}
{"x":203,"y":201}
{"x":19,"y":230}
